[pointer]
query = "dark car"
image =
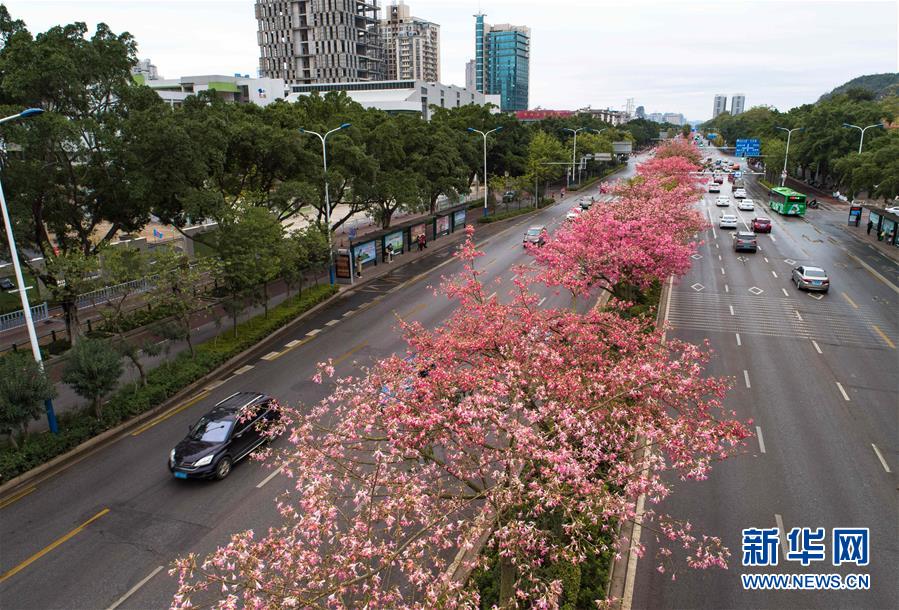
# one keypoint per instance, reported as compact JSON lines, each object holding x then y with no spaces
{"x":6,"y":284}
{"x":535,"y":235}
{"x":232,"y":430}
{"x":509,"y":196}
{"x":745,"y":241}
{"x":761,"y":225}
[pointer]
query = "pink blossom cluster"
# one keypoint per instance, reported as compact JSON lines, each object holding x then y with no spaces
{"x":503,"y":414}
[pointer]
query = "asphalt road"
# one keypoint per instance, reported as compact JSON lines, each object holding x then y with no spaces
{"x":105,"y":531}
{"x":819,"y":377}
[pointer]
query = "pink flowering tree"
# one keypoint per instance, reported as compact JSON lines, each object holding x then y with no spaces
{"x":679,"y":147}
{"x":504,"y":413}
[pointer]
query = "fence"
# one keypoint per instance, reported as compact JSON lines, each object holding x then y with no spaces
{"x":104,"y":295}
{"x":16,"y":319}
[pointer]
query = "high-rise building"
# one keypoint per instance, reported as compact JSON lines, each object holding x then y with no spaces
{"x":675,"y":118}
{"x":310,"y":41}
{"x":737,"y":102}
{"x":629,"y":108}
{"x":720,"y":105}
{"x":641,"y":112}
{"x":470,"y":75}
{"x":502,"y":62}
{"x":411,"y":45}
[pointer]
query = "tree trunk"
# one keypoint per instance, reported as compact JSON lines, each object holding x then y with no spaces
{"x":507,"y":577}
{"x":190,"y":343}
{"x":12,"y":440}
{"x":98,"y":407}
{"x":234,"y":323}
{"x":70,"y":313}
{"x":135,"y":360}
{"x":265,"y":297}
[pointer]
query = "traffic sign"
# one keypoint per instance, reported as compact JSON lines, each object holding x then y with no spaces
{"x":748,"y":147}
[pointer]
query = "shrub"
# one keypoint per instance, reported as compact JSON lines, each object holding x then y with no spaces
{"x":505,"y":215}
{"x":162,"y":382}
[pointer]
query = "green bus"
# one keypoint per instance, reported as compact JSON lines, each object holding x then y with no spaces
{"x":786,"y":201}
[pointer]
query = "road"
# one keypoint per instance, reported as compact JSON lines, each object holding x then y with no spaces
{"x":105,"y":531}
{"x":818,"y":377}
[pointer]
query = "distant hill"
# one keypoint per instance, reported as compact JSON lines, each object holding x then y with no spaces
{"x":881,"y":85}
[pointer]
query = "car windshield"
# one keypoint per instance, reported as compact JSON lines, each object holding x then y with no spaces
{"x":814,"y":273}
{"x":211,"y":430}
{"x":533,"y":232}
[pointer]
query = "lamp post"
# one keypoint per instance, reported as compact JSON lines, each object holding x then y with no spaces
{"x":574,"y":148}
{"x":324,"y":139}
{"x":783,"y":175}
{"x":863,"y":130}
{"x":20,"y":281}
{"x":484,"y":134}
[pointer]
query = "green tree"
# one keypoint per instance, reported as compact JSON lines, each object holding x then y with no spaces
{"x":178,"y":290}
{"x":24,"y":387}
{"x":250,"y":250}
{"x":69,"y":275}
{"x":546,"y":159}
{"x":93,"y":369}
{"x":305,"y":250}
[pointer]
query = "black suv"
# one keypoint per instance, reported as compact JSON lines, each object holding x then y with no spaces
{"x":227,"y":434}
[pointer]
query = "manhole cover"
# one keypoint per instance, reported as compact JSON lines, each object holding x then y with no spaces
{"x":697,"y":287}
{"x":756,"y":290}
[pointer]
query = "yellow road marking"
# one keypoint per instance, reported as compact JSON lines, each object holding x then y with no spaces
{"x":167,"y":415}
{"x":16,"y":497}
{"x":851,"y":302}
{"x":271,"y":356}
{"x":414,"y":310}
{"x":51,"y":546}
{"x":351,"y":352}
{"x":883,"y":336}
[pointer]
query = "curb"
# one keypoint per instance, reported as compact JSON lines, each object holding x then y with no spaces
{"x":108,"y":437}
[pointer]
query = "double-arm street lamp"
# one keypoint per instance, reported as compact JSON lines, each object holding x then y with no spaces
{"x":863,"y":130}
{"x":324,"y":139}
{"x":20,"y":281}
{"x":574,"y":148}
{"x":484,"y":134}
{"x":783,"y":174}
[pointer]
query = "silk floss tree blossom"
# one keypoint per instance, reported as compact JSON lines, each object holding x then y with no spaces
{"x":504,"y":414}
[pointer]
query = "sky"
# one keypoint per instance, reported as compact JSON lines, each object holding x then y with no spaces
{"x":669,"y":55}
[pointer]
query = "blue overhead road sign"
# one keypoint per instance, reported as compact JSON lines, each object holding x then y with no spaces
{"x":748,"y":147}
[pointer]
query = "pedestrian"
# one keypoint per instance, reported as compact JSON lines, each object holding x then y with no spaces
{"x":389,"y":253}
{"x":358,"y":266}
{"x":422,"y":242}
{"x":870,"y":226}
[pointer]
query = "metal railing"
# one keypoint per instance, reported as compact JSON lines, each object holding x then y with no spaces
{"x":16,"y":319}
{"x":106,"y":294}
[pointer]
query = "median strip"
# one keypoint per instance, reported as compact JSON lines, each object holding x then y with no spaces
{"x":350,"y":352}
{"x":883,"y":336}
{"x":16,"y":497}
{"x":168,"y":414}
{"x":51,"y":546}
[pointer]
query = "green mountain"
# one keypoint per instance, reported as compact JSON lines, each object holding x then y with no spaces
{"x":881,"y":85}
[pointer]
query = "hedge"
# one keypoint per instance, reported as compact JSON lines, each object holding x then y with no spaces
{"x":504,"y":215}
{"x":163,"y":382}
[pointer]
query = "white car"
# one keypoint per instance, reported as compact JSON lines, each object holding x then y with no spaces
{"x":722,"y":201}
{"x":746,"y":204}
{"x":739,"y":193}
{"x":727,"y":221}
{"x":573,"y":213}
{"x":893,"y":210}
{"x":714,"y":187}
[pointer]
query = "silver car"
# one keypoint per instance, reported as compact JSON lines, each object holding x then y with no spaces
{"x":811,"y":278}
{"x":535,"y":235}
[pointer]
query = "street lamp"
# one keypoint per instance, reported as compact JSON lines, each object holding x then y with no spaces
{"x":20,"y":281}
{"x":484,"y":134}
{"x":324,"y":139}
{"x":783,"y":174}
{"x":863,"y":130}
{"x":574,"y":149}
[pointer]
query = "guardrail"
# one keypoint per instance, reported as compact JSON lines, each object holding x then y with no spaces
{"x":16,"y":319}
{"x":104,"y":295}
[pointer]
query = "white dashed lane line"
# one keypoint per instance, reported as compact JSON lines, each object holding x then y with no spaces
{"x":883,"y":462}
{"x":842,"y":391}
{"x":731,"y":308}
{"x":244,"y":369}
{"x":774,"y":273}
{"x":739,"y":342}
{"x":746,"y":378}
{"x":271,"y":356}
{"x":312,"y":333}
{"x":293,"y":343}
{"x":817,"y":349}
{"x":786,"y":294}
{"x":758,"y":432}
{"x":331,"y":322}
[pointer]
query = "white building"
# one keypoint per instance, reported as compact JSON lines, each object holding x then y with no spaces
{"x":237,"y":89}
{"x":471,"y":75}
{"x":737,"y":103}
{"x":400,"y":96}
{"x":411,"y":45}
{"x":675,"y":118}
{"x":720,"y":105}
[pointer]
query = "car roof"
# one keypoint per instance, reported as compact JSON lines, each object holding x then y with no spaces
{"x":745,"y":234}
{"x":807,"y":268}
{"x":537,"y":228}
{"x":236,"y":402}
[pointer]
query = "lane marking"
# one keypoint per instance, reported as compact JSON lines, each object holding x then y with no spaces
{"x":174,"y":411}
{"x":630,"y":577}
{"x":731,"y":308}
{"x":722,"y":270}
{"x":883,"y":336}
{"x":766,"y":258}
{"x":349,"y":313}
{"x":851,"y":302}
{"x":719,"y":257}
{"x":293,"y":343}
{"x":774,"y":239}
{"x":786,"y":294}
{"x":716,"y":246}
{"x":817,"y":349}
{"x":244,"y":369}
{"x":331,"y":322}
{"x":312,"y":333}
{"x":746,"y":378}
{"x":842,"y":391}
{"x":542,"y":301}
{"x":883,"y":462}
{"x":492,"y":296}
{"x":134,"y":589}
{"x":774,"y":273}
{"x":874,"y":272}
{"x":414,"y":310}
{"x":271,"y":356}
{"x":739,"y":343}
{"x":758,"y":433}
{"x":271,"y":476}
{"x":352,"y":351}
{"x":798,"y":315}
{"x":211,"y":386}
{"x":783,"y":533}
{"x":726,"y":288}
{"x":51,"y":546}
{"x":16,"y":497}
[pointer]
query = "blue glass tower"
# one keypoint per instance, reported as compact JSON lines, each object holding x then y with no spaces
{"x":502,"y":62}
